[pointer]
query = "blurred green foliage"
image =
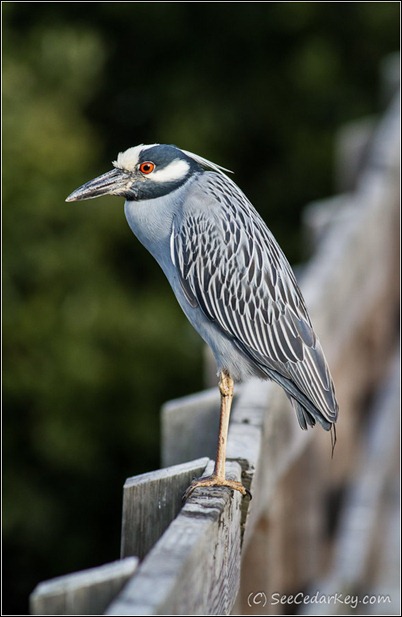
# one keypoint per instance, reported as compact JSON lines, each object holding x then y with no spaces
{"x":94,"y":341}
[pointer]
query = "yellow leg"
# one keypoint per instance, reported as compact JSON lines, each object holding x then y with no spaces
{"x":226,"y":386}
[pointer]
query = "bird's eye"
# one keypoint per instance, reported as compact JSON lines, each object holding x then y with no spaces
{"x":147,"y":168}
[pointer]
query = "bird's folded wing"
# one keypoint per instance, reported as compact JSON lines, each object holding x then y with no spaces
{"x":232,"y":267}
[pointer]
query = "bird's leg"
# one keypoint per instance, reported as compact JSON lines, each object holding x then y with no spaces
{"x":226,"y":387}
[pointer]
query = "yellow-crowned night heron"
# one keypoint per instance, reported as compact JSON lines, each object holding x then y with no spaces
{"x":229,"y":276}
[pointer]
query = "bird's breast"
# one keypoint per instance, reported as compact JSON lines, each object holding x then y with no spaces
{"x":151,"y":222}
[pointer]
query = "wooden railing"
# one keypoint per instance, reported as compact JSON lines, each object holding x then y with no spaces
{"x":218,"y":552}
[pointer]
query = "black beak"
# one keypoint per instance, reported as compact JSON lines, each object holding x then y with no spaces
{"x":114,"y":182}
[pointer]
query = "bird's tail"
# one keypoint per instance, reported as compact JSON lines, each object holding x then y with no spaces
{"x":307,"y":410}
{"x":308,"y":414}
{"x":308,"y":417}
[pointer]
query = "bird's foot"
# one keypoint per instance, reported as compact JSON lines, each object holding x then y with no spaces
{"x":215,"y":481}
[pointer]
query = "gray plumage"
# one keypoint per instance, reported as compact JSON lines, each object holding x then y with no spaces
{"x":227,"y":271}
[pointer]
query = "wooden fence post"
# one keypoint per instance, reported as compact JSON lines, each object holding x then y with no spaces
{"x":194,"y":568}
{"x":150,"y":503}
{"x":83,"y":593}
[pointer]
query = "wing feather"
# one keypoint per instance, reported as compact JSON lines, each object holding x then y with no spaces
{"x":231,"y":265}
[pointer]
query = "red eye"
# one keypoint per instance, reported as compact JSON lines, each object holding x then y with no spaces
{"x":147,"y":168}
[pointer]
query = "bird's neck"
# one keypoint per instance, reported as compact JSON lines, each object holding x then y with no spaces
{"x":151,"y":221}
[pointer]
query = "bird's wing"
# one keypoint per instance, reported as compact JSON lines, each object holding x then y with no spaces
{"x":232,"y":267}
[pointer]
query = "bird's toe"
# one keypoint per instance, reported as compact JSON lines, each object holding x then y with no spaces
{"x":213,"y":481}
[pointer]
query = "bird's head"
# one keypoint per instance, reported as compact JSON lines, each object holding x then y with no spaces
{"x":145,"y":172}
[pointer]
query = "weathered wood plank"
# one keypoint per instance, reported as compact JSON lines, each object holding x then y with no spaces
{"x":282,"y":553}
{"x":150,"y":503}
{"x":83,"y":593}
{"x":360,"y":542}
{"x":194,"y":568}
{"x":265,"y":439}
{"x":366,"y":490}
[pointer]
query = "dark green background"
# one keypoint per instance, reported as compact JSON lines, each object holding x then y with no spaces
{"x":94,"y":341}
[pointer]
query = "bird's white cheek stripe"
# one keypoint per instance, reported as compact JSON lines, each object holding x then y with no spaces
{"x":174,"y":171}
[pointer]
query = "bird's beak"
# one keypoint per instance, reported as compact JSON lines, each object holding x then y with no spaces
{"x":114,"y":182}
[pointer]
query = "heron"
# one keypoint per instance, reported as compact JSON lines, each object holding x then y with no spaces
{"x":230,"y":277}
